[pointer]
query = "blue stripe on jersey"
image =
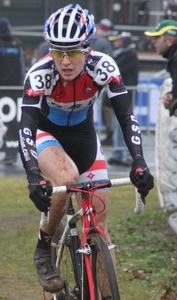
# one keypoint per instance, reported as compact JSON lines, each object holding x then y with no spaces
{"x":62,"y":117}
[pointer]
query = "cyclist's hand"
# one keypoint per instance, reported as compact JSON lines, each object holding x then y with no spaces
{"x":40,"y":191}
{"x":141,"y":177}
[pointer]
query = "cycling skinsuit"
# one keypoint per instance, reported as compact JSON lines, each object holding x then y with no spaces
{"x":62,"y":113}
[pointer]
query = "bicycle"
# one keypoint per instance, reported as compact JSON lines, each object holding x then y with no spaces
{"x":80,"y":257}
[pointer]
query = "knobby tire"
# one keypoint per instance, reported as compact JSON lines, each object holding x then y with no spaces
{"x":105,"y":269}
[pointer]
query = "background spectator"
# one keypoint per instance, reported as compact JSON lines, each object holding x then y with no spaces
{"x":12,"y":57}
{"x":164,"y":39}
{"x":12,"y":73}
{"x":127,"y":60}
{"x":102,"y":44}
{"x":42,"y":50}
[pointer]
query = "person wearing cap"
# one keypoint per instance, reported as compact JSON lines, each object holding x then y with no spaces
{"x":164,"y":39}
{"x":101,"y":43}
{"x":58,"y":142}
{"x":12,"y":73}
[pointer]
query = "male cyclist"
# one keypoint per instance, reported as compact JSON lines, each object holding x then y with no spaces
{"x":58,"y":141}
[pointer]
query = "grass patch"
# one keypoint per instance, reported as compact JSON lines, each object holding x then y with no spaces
{"x":19,"y":221}
{"x":147,"y":257}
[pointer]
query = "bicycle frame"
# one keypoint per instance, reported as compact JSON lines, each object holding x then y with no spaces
{"x":89,"y":226}
{"x":89,"y":223}
{"x":88,"y":216}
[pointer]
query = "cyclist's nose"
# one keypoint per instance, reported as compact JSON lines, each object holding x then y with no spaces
{"x":65,"y":59}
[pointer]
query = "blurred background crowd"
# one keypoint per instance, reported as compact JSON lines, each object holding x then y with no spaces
{"x":27,"y":18}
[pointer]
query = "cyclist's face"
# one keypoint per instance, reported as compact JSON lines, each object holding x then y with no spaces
{"x":70,"y":64}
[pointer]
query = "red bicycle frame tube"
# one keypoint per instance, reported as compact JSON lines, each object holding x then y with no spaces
{"x":89,"y":226}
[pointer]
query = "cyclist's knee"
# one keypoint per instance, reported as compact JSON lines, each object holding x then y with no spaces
{"x":66,"y":177}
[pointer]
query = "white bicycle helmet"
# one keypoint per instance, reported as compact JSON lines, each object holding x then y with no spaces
{"x":70,"y":26}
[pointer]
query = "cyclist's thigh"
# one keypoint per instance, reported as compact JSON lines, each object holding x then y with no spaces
{"x":97,"y":171}
{"x":53,"y":161}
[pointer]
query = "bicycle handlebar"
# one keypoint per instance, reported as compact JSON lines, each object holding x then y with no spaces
{"x":139,"y":205}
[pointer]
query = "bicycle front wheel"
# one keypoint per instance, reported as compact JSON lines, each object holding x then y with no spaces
{"x":103,"y":270}
{"x":71,"y":266}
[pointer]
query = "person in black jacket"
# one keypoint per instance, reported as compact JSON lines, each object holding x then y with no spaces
{"x":164,"y":39}
{"x":12,"y":57}
{"x":12,"y":73}
{"x":127,"y":60}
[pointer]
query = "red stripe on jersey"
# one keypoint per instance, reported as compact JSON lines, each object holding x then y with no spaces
{"x":97,"y":165}
{"x":41,"y":135}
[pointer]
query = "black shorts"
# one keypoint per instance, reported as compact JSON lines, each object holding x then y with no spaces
{"x":79,"y":141}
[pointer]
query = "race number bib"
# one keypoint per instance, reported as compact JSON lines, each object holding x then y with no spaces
{"x":105,"y":70}
{"x":41,"y":81}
